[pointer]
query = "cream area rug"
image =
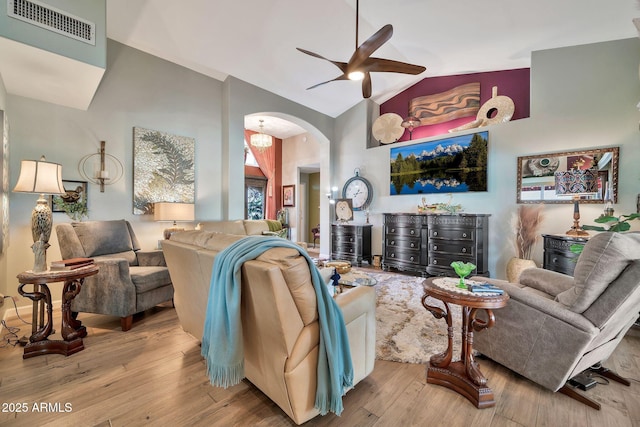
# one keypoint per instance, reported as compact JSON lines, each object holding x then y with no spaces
{"x":405,"y":330}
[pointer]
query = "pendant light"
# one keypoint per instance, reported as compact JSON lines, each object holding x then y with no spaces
{"x":261,"y":141}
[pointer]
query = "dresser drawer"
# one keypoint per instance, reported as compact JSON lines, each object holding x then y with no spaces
{"x":410,"y":257}
{"x":395,"y":242}
{"x":341,"y":239}
{"x":346,"y":248}
{"x":394,"y":230}
{"x":344,"y":232}
{"x":445,"y":246}
{"x":443,"y":261}
{"x":455,"y":233}
{"x":557,"y":261}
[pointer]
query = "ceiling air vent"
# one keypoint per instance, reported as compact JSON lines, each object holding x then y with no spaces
{"x":53,"y":19}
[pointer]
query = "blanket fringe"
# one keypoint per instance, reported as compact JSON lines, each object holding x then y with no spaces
{"x":326,"y":405}
{"x":225,"y":376}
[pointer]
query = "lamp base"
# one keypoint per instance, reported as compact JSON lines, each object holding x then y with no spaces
{"x":169,"y":231}
{"x":41,"y":224}
{"x":577,"y":232}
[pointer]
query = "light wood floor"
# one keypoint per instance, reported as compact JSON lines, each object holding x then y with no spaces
{"x":154,"y":375}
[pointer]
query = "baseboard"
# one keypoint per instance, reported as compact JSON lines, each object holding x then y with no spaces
{"x":24,"y":311}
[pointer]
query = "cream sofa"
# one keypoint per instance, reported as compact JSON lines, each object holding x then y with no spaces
{"x":241,"y":227}
{"x":279,"y":316}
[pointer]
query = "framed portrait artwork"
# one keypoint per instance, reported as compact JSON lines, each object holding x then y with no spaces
{"x":288,"y":195}
{"x":344,"y":210}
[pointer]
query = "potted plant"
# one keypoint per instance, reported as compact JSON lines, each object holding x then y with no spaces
{"x":611,"y":223}
{"x":525,"y":224}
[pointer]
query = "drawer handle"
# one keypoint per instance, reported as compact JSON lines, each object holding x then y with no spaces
{"x":435,"y":261}
{"x":464,"y":234}
{"x":351,"y":239}
{"x":435,"y":247}
{"x":393,"y":242}
{"x":554,"y":260}
{"x":411,"y":259}
{"x":393,"y":230}
{"x":393,"y":255}
{"x":351,"y":250}
{"x":464,"y":250}
{"x":413,"y":245}
{"x":435,"y":233}
{"x":413,"y":231}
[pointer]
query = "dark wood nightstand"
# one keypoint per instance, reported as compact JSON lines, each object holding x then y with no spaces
{"x":557,"y":255}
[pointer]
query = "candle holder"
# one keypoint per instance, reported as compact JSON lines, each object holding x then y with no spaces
{"x":110,"y":170}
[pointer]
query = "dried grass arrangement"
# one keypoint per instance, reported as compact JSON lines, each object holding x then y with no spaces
{"x":526,"y":223}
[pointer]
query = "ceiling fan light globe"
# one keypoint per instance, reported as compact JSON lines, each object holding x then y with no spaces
{"x":356,"y":75}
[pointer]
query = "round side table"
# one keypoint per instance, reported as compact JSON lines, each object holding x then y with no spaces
{"x":72,"y":329}
{"x":461,"y":376}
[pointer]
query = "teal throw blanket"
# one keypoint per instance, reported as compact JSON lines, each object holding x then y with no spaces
{"x":222,"y":345}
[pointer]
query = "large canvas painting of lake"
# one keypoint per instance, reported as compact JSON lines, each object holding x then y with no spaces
{"x":452,"y":165}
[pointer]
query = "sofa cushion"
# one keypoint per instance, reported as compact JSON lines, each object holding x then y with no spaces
{"x":193,"y":237}
{"x":228,"y":227}
{"x":149,"y":278}
{"x":295,"y":271}
{"x":104,"y":237}
{"x":255,"y":227}
{"x":603,"y":259}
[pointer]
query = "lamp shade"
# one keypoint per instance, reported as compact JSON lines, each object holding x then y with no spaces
{"x":168,"y":211}
{"x":575,"y":182}
{"x":40,"y":176}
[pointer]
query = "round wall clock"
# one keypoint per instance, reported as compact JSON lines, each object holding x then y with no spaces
{"x":359,"y":190}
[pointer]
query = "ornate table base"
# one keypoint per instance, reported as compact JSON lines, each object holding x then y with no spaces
{"x":463,"y":376}
{"x":72,"y":329}
{"x":454,"y":377}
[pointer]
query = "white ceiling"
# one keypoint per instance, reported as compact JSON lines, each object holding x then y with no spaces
{"x":256,"y":40}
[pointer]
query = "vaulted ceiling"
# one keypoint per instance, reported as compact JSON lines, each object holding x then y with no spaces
{"x":256,"y":41}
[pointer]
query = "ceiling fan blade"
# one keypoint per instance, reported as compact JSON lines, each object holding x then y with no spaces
{"x":342,"y":77}
{"x":381,"y":65}
{"x":370,"y":45}
{"x":341,"y":65}
{"x":366,"y":86}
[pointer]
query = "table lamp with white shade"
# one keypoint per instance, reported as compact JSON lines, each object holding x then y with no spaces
{"x":173,"y":212}
{"x":44,"y":178}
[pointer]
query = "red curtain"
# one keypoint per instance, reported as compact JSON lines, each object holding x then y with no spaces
{"x":267,"y":162}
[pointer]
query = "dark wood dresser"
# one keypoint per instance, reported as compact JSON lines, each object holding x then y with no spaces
{"x":351,"y":242}
{"x":428,"y":243}
{"x":462,"y":237}
{"x":557,"y":255}
{"x":405,"y":242}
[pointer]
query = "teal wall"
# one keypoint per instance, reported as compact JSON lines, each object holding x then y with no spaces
{"x":91,"y":10}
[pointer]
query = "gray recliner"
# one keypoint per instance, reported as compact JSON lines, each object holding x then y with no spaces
{"x":554,"y":327}
{"x":129,"y":281}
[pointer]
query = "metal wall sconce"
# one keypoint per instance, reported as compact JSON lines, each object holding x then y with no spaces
{"x":108,"y":171}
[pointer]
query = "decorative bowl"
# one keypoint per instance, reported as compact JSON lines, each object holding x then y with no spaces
{"x":341,"y":267}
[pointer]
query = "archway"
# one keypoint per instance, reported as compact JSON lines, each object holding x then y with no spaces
{"x":298,"y":170}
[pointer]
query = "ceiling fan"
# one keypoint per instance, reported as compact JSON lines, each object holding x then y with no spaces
{"x":361,"y":63}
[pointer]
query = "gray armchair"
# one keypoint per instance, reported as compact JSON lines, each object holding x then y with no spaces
{"x":130,"y":280}
{"x":554,"y":327}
